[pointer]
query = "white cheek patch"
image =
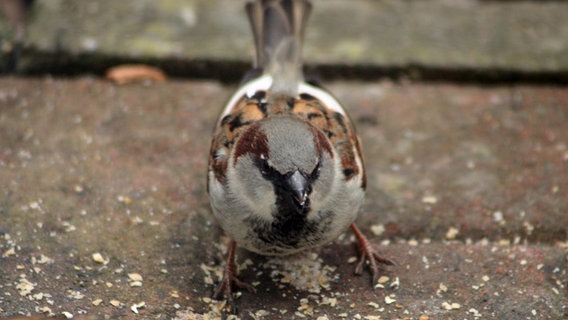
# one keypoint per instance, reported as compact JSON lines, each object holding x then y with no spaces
{"x":262,"y":83}
{"x":326,"y":99}
{"x":247,"y":197}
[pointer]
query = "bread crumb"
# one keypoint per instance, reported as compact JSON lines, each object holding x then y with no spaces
{"x":134,"y":308}
{"x":429,"y":199}
{"x":450,"y":306}
{"x":9,"y":252}
{"x":378,"y":229}
{"x":452,"y":233}
{"x":98,"y":258}
{"x":134,"y":277}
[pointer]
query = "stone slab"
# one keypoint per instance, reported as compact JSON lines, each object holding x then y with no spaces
{"x":103,"y":204}
{"x":528,"y":36}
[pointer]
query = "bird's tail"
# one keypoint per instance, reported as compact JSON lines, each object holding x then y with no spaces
{"x":278,"y":29}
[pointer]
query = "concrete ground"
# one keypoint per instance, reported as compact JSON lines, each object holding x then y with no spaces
{"x":104,"y":211}
{"x":468,"y":193}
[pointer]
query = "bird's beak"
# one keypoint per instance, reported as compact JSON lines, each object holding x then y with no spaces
{"x":299,"y":187}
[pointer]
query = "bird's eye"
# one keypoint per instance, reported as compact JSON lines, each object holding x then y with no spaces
{"x":263,"y":166}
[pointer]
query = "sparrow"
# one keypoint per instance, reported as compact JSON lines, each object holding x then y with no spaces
{"x":285,"y":172}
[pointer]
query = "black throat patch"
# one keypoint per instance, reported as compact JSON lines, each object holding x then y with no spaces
{"x":286,"y":233}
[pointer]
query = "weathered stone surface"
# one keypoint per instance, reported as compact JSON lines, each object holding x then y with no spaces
{"x":517,"y":35}
{"x":103,"y":204}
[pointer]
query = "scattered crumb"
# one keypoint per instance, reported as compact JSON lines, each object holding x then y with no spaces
{"x":304,"y":271}
{"x":395,"y":284}
{"x":72,"y":294}
{"x":383,"y":279}
{"x":430,"y":199}
{"x":35,"y":205}
{"x":137,"y":220}
{"x":98,"y":258}
{"x":498,"y":217}
{"x":115,"y":303}
{"x":134,"y":308}
{"x":305,"y":309}
{"x":124,"y":199}
{"x":97,"y":302}
{"x":378,"y":229}
{"x":189,"y":314}
{"x":43,"y":259}
{"x":67,"y":315}
{"x":9,"y":252}
{"x":68,"y":227}
{"x":452,"y":233}
{"x":441,"y":289}
{"x":474,"y":312}
{"x":450,"y":306}
{"x":209,"y":271}
{"x":529,"y":228}
{"x":47,"y":310}
{"x":381,"y":282}
{"x":390,"y":299}
{"x":24,"y":287}
{"x":215,"y":308}
{"x":261,"y":313}
{"x":426,"y":262}
{"x":38,"y":296}
{"x":135,"y":279}
{"x":332,"y":302}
